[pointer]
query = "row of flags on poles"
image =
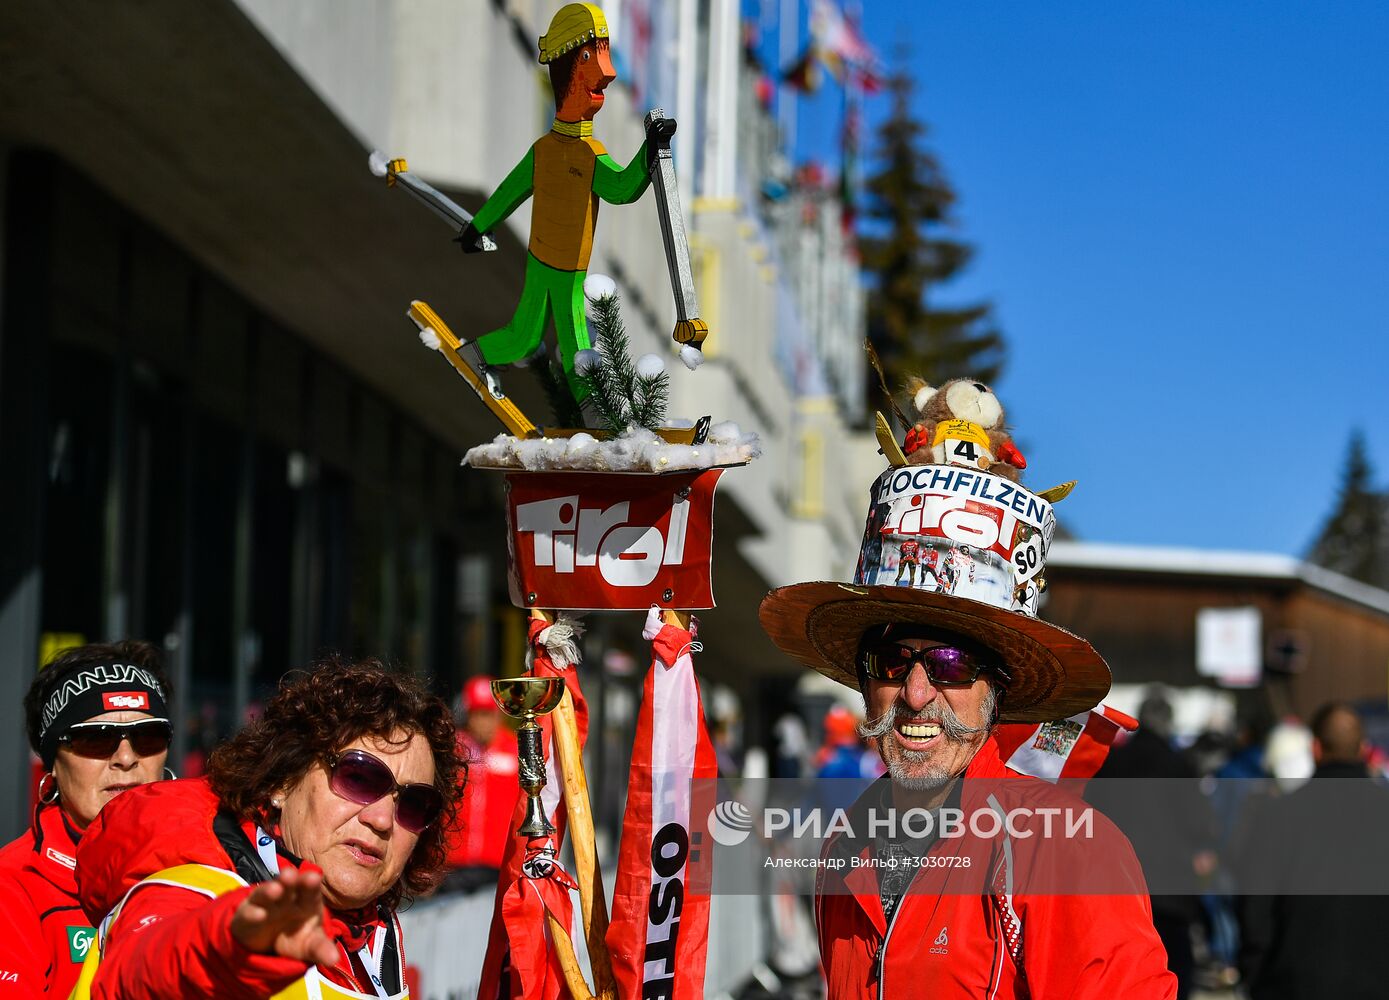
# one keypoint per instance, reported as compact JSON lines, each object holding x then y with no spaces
{"x":837,"y":46}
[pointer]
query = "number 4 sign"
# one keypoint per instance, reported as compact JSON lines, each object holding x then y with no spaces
{"x":961,"y":442}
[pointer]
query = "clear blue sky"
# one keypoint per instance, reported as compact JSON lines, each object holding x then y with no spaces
{"x":1181,"y":215}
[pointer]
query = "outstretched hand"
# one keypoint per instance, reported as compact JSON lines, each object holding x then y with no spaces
{"x":285,"y":918}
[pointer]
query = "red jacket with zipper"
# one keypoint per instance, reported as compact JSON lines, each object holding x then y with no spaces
{"x":969,"y":927}
{"x":43,"y":932}
{"x":171,"y":942}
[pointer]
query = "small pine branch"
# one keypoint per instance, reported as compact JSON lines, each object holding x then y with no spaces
{"x":603,"y":400}
{"x":650,"y":399}
{"x":566,"y":412}
{"x":619,"y":396}
{"x":612,"y":343}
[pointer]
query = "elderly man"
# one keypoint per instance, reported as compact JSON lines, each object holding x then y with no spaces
{"x":1028,"y":911}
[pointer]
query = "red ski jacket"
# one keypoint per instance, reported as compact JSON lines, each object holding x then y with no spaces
{"x":171,"y":942}
{"x":968,"y":926}
{"x":44,"y":935}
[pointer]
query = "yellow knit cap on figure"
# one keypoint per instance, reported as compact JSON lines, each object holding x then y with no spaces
{"x":572,"y":26}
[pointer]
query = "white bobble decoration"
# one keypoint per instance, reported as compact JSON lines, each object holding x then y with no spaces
{"x":692,"y":356}
{"x":587,"y":360}
{"x":597,"y":286}
{"x":377,"y":162}
{"x":650,"y":365}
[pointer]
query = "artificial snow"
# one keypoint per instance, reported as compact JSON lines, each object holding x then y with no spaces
{"x":599,"y":286}
{"x":650,"y":365}
{"x":692,"y":356}
{"x":587,"y":360}
{"x":638,"y":450}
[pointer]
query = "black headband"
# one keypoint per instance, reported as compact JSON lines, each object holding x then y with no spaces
{"x":94,"y":690}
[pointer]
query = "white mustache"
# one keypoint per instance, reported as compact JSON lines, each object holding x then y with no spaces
{"x":941,"y":714}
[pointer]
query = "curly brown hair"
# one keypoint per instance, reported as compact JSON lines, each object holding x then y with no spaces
{"x":316,"y":713}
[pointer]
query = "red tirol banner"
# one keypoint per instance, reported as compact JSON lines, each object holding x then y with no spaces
{"x":1067,"y":748}
{"x":611,"y":541}
{"x":659,"y":934}
{"x":520,"y":963}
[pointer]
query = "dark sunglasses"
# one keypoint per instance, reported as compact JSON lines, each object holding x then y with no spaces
{"x":100,"y":740}
{"x":946,"y":666}
{"x":359,"y":777}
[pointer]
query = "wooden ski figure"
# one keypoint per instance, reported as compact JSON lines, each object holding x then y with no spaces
{"x":567,"y":172}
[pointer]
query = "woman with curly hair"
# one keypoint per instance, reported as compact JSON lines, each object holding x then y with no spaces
{"x":279,"y":873}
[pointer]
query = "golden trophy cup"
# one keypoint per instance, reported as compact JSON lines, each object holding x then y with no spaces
{"x":526,"y":698}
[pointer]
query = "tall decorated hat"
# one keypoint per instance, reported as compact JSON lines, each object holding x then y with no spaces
{"x":952,"y":541}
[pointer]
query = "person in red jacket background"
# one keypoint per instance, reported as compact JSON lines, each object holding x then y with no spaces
{"x":484,"y":814}
{"x":97,"y":717}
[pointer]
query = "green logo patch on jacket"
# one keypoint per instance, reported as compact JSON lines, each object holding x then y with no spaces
{"x":80,"y":940}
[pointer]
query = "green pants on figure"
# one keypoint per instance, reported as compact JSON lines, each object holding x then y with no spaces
{"x":549,"y":293}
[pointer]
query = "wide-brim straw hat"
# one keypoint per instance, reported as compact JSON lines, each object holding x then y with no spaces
{"x":1053,"y":673}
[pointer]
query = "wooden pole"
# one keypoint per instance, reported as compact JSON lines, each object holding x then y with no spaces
{"x":593,"y":904}
{"x":568,"y":960}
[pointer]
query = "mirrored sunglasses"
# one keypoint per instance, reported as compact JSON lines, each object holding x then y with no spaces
{"x":100,"y":740}
{"x":946,"y":666}
{"x":359,"y":777}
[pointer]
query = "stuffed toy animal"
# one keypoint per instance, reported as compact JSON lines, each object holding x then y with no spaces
{"x":961,"y":423}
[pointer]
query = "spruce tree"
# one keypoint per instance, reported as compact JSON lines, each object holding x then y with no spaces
{"x":908,"y":252}
{"x":1354,"y":540}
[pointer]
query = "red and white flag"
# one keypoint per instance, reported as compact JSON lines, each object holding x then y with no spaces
{"x":1071,"y":748}
{"x":520,"y":961}
{"x":659,"y":934}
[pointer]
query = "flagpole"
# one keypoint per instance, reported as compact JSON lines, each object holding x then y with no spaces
{"x":568,"y":960}
{"x":789,"y":24}
{"x":587,"y":871}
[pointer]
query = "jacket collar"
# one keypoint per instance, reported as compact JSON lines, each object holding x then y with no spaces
{"x":861,"y":882}
{"x":351,"y":928}
{"x":55,"y":848}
